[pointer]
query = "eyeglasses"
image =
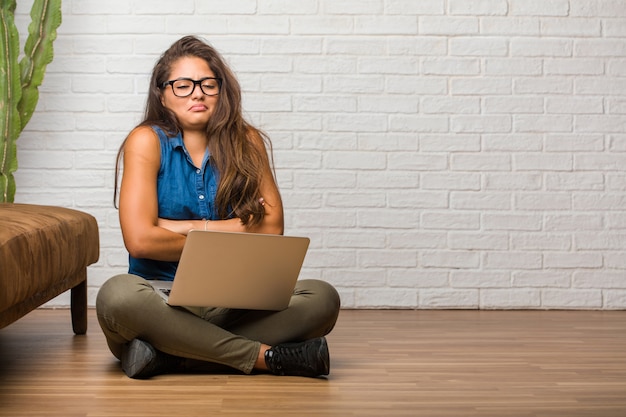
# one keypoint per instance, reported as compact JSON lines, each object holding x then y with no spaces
{"x":184,"y":87}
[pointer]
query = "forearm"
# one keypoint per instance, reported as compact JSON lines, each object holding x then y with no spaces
{"x":155,"y":243}
{"x":183,"y":227}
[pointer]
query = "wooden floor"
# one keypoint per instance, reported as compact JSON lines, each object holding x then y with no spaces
{"x":384,"y":363}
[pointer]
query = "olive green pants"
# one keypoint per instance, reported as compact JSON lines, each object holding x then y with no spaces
{"x":128,"y":308}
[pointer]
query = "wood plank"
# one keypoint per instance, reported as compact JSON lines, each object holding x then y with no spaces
{"x":384,"y":363}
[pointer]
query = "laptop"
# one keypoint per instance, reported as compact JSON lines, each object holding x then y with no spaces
{"x":235,"y":270}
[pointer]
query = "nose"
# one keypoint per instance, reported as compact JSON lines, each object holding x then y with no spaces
{"x":197,"y":91}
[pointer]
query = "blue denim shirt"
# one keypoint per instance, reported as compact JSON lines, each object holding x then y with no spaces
{"x":184,"y":192}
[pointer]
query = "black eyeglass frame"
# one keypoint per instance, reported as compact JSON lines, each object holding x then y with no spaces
{"x":195,"y":83}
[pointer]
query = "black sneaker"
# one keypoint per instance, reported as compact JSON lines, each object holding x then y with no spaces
{"x":140,"y":360}
{"x":308,"y":358}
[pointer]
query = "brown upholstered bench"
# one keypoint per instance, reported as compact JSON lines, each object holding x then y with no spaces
{"x":45,"y":251}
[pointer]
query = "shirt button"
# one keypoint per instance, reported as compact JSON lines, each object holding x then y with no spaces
{"x":198,"y":171}
{"x":201,"y":197}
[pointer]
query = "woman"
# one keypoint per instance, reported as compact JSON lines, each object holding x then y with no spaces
{"x":195,"y":163}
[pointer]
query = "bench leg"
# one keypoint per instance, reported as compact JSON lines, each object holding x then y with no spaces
{"x":78,"y":296}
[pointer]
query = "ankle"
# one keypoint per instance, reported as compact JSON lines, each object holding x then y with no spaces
{"x":260,"y":363}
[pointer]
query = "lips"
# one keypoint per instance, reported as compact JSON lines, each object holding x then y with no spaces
{"x":198,"y":107}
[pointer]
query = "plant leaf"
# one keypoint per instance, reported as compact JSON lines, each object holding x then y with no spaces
{"x":46,"y":18}
{"x":10,"y":94}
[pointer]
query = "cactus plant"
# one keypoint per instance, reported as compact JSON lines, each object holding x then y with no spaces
{"x":19,"y":83}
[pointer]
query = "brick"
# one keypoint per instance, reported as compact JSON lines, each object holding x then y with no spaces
{"x":517,"y":105}
{"x":478,"y":7}
{"x":387,"y":65}
{"x":451,"y":66}
{"x":571,"y":27}
{"x":330,"y":258}
{"x":330,"y":65}
{"x":573,"y":66}
{"x":574,"y":260}
{"x":513,"y":259}
{"x":510,"y":299}
{"x":509,"y":25}
{"x":385,"y":25}
{"x":434,"y":25}
{"x":478,"y":241}
{"x":542,"y":279}
{"x":422,"y":46}
{"x":479,"y":47}
{"x":468,"y":200}
{"x":396,"y":297}
{"x":481,"y":124}
{"x":615,"y":27}
{"x":573,"y":222}
{"x":512,"y":182}
{"x":600,"y":241}
{"x":543,"y":201}
{"x":575,"y":181}
{"x":591,"y":201}
{"x":452,"y":105}
{"x":614,"y":299}
{"x":470,"y":279}
{"x":424,"y":7}
{"x":599,"y":161}
{"x":397,"y":180}
{"x":450,"y":221}
{"x":449,"y":298}
{"x":97,"y":7}
{"x":451,"y":181}
{"x":407,"y":239}
{"x":278,"y":7}
{"x":355,"y":160}
{"x":481,"y":86}
{"x":409,"y":278}
{"x":368,"y":258}
{"x":597,"y":8}
{"x":402,"y":218}
{"x":616,"y":182}
{"x":357,"y":279}
{"x":447,"y":143}
{"x":480,"y":162}
{"x":419,"y":123}
{"x":574,"y":142}
{"x":600,"y":279}
{"x":601,"y":123}
{"x":542,"y":162}
{"x":570,"y":105}
{"x":541,"y":241}
{"x":418,"y":200}
{"x":543,"y":123}
{"x":512,"y":66}
{"x":600,"y":48}
{"x":541,"y":47}
{"x":517,"y":142}
{"x":350,"y":199}
{"x":539,"y":7}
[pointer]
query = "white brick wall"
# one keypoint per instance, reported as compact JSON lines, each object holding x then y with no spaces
{"x":439,"y":153}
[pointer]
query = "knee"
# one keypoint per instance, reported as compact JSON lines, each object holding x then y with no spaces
{"x":116,"y":293}
{"x":331,"y":297}
{"x":327,"y":305}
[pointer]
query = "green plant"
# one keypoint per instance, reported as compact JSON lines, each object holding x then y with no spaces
{"x":19,"y":83}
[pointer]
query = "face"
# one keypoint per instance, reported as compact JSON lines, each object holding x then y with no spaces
{"x":193,"y":111}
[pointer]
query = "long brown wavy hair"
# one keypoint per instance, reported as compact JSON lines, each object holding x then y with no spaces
{"x":238,"y":160}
